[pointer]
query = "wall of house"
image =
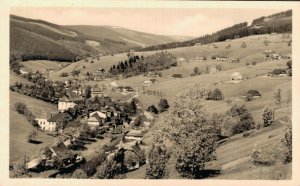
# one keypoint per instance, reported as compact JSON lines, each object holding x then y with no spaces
{"x":62,"y":106}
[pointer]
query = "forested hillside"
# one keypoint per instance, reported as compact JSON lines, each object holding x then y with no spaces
{"x":280,"y":23}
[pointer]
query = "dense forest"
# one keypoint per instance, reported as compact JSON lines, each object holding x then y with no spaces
{"x":280,"y":23}
{"x":138,"y":65}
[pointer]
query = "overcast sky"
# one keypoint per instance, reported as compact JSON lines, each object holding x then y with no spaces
{"x":163,"y":21}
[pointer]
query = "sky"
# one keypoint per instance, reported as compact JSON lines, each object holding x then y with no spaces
{"x":162,"y":21}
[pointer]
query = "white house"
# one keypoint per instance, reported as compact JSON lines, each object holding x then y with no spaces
{"x":65,"y":104}
{"x":96,"y":118}
{"x":147,"y":83}
{"x":45,"y":125}
{"x":236,"y":76}
{"x":23,"y":72}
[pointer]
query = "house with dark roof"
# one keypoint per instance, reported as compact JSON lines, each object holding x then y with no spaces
{"x":63,"y":155}
{"x":68,"y":101}
{"x":96,"y":92}
{"x":134,"y":156}
{"x":59,"y":118}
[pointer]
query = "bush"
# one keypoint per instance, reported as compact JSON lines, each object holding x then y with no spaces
{"x":247,"y":64}
{"x":287,"y":141}
{"x":163,"y":105}
{"x":215,"y":95}
{"x":64,"y":74}
{"x":20,"y":107}
{"x":253,"y":63}
{"x":263,"y":158}
{"x":267,"y":116}
{"x":79,"y":174}
{"x":246,"y":121}
{"x":243,"y":45}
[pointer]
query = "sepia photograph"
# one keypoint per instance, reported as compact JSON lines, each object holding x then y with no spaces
{"x":199,"y":93}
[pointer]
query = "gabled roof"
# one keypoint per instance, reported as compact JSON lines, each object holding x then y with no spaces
{"x":57,"y":117}
{"x":62,"y":151}
{"x":236,"y":74}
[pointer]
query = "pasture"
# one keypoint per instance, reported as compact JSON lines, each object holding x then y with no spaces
{"x":19,"y":127}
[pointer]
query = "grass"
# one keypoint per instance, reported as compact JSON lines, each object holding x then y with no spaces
{"x":19,"y":128}
{"x":41,"y":65}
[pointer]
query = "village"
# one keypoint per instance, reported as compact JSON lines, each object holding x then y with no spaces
{"x":216,"y":106}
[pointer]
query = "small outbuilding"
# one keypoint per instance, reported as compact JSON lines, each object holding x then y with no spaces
{"x":236,"y":76}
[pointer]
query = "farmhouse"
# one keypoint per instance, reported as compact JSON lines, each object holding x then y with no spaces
{"x":45,"y":125}
{"x":176,"y":76}
{"x":134,"y":135}
{"x":23,"y":72}
{"x":59,"y":118}
{"x":63,"y":155}
{"x":234,"y":60}
{"x":133,"y":156}
{"x":253,"y":94}
{"x":279,"y":72}
{"x":67,"y":102}
{"x":114,"y":84}
{"x":236,"y":76}
{"x":147,"y":83}
{"x":96,"y":118}
{"x":96,"y":92}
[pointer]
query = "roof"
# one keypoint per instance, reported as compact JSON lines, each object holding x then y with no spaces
{"x":98,"y":115}
{"x":62,"y":151}
{"x":57,"y":117}
{"x":70,"y":97}
{"x":253,"y":93}
{"x":114,"y":84}
{"x":96,"y":90}
{"x":147,"y":82}
{"x":236,"y":74}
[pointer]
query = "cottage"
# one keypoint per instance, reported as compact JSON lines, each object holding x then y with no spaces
{"x":23,"y":72}
{"x":134,"y":135}
{"x":176,"y":76}
{"x":236,"y":76}
{"x":134,"y":156}
{"x":45,"y":125}
{"x":279,"y":72}
{"x":147,"y":83}
{"x":68,"y":101}
{"x":53,"y":121}
{"x":234,"y":60}
{"x":97,"y":118}
{"x":96,"y":92}
{"x":213,"y":70}
{"x":252,"y":94}
{"x":114,"y":84}
{"x":63,"y":155}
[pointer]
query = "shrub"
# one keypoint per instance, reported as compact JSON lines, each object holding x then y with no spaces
{"x":267,"y":116}
{"x":64,"y":74}
{"x":243,"y":45}
{"x":287,"y":141}
{"x":253,"y":63}
{"x":263,"y":158}
{"x":247,"y":64}
{"x":246,"y":121}
{"x":163,"y":105}
{"x":153,"y":109}
{"x":79,"y":174}
{"x":20,"y":107}
{"x":215,"y":95}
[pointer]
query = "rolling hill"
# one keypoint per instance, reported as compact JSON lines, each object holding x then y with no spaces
{"x":40,"y":40}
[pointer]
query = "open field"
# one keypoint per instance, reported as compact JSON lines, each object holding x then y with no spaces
{"x":42,"y":65}
{"x":19,"y":128}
